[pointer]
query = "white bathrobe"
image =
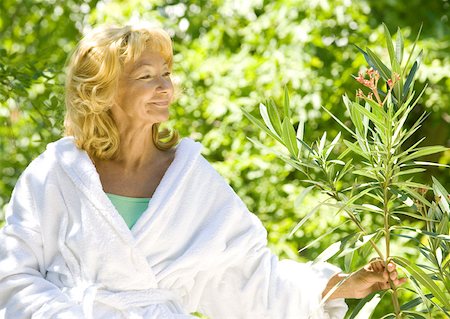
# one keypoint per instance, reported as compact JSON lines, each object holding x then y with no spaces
{"x":65,"y":252}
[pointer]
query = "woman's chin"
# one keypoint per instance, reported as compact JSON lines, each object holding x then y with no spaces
{"x":157,"y":113}
{"x":158,"y":118}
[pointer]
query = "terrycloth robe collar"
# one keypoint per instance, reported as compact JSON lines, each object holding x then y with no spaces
{"x":80,"y":168}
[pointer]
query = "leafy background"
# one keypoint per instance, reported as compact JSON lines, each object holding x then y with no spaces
{"x":228,"y":55}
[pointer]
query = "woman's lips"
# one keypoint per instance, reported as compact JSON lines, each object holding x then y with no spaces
{"x":160,"y":103}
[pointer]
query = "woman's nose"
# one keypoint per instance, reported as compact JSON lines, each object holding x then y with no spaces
{"x":164,"y":85}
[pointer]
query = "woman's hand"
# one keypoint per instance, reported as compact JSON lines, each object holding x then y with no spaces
{"x":372,"y":277}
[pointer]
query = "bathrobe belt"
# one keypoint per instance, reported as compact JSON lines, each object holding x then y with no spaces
{"x":121,"y":300}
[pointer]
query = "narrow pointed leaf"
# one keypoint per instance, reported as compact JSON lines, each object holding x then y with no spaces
{"x":288,"y":135}
{"x":370,"y":115}
{"x":367,"y":57}
{"x":365,"y":307}
{"x":382,"y":69}
{"x":442,"y":194}
{"x":409,"y":79}
{"x":409,"y":171}
{"x":390,"y":45}
{"x":399,"y":47}
{"x":266,"y":118}
{"x":286,"y":104}
{"x":322,"y":142}
{"x":300,"y":133}
{"x":318,"y":239}
{"x":274,"y":116}
{"x":356,"y":149}
{"x":332,"y":250}
{"x":423,"y":151}
{"x":261,"y":125}
{"x":337,"y":120}
{"x":423,"y":279}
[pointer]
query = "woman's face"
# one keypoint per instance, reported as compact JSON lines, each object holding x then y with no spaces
{"x":145,"y":91}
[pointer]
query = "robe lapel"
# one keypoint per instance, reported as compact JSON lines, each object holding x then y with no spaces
{"x":79,"y":167}
{"x":159,"y":211}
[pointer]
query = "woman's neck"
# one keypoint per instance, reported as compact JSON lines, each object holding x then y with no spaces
{"x":137,"y":149}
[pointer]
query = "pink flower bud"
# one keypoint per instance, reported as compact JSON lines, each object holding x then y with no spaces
{"x":390,"y":83}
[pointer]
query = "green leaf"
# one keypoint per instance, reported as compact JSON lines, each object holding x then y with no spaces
{"x":337,"y":162}
{"x":288,"y":135}
{"x":358,"y":244}
{"x":356,"y":149}
{"x":413,"y":193}
{"x":412,"y":130}
{"x":415,"y":315}
{"x":415,"y":216}
{"x":399,"y":126}
{"x":382,"y":69}
{"x":376,"y":120}
{"x":298,"y":165}
{"x":409,"y":79}
{"x":355,"y":116}
{"x":423,"y":279}
{"x":261,"y":125}
{"x":337,"y":120}
{"x":274,"y":117}
{"x":300,"y":133}
{"x":423,"y":151}
{"x":415,"y":302}
{"x":417,"y":163}
{"x":399,"y":47}
{"x":310,"y":150}
{"x":365,"y":307}
{"x":321,"y":145}
{"x":410,"y":171}
{"x":444,"y":197}
{"x":368,"y":58}
{"x":390,"y":47}
{"x":266,"y":118}
{"x":344,"y":171}
{"x":329,"y":252}
{"x":286,"y":103}
{"x":424,"y":232}
{"x":318,"y":239}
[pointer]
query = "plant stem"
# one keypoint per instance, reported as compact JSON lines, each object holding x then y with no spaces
{"x":386,"y":194}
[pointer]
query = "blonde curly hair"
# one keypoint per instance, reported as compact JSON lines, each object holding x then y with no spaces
{"x":92,"y":76}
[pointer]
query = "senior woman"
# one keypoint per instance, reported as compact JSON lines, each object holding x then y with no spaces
{"x":121,"y":220}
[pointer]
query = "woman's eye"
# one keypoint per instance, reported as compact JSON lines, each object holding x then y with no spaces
{"x":147,"y":76}
{"x":167,"y":74}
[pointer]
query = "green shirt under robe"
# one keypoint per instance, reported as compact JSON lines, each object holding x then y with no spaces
{"x":130,"y":208}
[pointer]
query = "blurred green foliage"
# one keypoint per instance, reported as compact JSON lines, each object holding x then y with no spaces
{"x":228,"y":55}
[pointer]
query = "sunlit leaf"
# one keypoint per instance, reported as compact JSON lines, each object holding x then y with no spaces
{"x":288,"y":135}
{"x":399,"y":47}
{"x":423,"y":279}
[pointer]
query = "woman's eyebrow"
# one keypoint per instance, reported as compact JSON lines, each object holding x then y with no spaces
{"x":145,"y":64}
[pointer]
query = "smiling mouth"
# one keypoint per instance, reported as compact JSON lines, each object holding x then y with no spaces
{"x":166,"y":103}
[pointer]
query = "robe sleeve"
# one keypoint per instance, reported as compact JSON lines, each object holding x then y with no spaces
{"x":24,"y":291}
{"x":245,"y":280}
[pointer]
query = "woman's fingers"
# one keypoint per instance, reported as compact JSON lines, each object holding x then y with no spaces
{"x":382,"y":274}
{"x":391,"y":267}
{"x":393,"y":275}
{"x":376,"y":264}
